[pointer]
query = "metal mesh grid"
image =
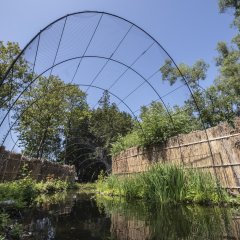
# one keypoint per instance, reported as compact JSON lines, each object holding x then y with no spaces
{"x":99,"y":51}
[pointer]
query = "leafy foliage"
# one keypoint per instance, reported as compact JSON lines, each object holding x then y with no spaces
{"x":19,"y":76}
{"x":192,"y":74}
{"x":8,"y":228}
{"x":43,"y":114}
{"x":124,"y":142}
{"x":89,"y":139}
{"x":235,"y":6}
{"x":157,"y":125}
{"x":21,"y":193}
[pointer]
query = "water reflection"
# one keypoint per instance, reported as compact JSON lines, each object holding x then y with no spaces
{"x":80,"y":216}
{"x":138,"y":221}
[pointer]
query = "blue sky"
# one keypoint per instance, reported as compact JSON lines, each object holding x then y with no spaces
{"x":188,"y":29}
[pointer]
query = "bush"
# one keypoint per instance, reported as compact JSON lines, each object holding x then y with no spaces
{"x":132,"y":139}
{"x":156,"y":127}
{"x":23,"y":192}
{"x":51,"y":185}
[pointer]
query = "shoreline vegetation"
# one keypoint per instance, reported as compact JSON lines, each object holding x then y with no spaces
{"x":21,"y":193}
{"x":162,"y":184}
{"x":171,"y":184}
{"x":16,"y":196}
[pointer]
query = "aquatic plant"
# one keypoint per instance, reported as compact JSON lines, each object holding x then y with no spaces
{"x":166,"y":183}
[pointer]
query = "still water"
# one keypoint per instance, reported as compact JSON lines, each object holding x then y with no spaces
{"x":85,"y":216}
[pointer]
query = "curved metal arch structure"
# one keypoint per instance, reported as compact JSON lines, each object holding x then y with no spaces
{"x":98,"y":51}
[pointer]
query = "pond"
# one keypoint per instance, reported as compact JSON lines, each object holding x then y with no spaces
{"x":79,"y":215}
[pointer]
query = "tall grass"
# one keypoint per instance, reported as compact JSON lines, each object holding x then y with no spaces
{"x":166,"y":183}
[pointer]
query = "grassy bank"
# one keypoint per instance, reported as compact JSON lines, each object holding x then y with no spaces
{"x":166,"y":184}
{"x":23,"y":192}
{"x":16,"y":195}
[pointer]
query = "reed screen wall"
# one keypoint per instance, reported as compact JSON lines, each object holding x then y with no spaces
{"x":216,"y":150}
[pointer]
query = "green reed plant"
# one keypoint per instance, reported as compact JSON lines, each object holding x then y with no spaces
{"x":166,"y":183}
{"x":131,"y":187}
{"x":203,"y":187}
{"x":108,"y":185}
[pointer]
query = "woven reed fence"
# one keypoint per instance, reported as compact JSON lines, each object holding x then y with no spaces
{"x":12,"y":167}
{"x":217,"y":150}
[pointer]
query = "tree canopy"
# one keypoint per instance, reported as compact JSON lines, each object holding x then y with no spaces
{"x":43,"y":113}
{"x":19,"y":76}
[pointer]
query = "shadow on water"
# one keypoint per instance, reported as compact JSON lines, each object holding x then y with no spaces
{"x":83,"y":216}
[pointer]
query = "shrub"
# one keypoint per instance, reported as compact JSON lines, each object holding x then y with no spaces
{"x":21,"y":192}
{"x":132,"y":139}
{"x":156,"y":127}
{"x":52,"y":185}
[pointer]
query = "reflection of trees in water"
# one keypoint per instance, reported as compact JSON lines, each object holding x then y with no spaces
{"x":76,"y":217}
{"x":80,"y":217}
{"x":84,"y":222}
{"x":140,"y":221}
{"x":43,"y":229}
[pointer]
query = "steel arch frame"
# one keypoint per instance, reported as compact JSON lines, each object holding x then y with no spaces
{"x":90,"y":85}
{"x":138,"y":27}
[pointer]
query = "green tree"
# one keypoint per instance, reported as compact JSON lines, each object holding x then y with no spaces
{"x":80,"y":144}
{"x":228,"y":81}
{"x":90,"y":139}
{"x":17,"y":78}
{"x":44,"y":112}
{"x":192,"y":74}
{"x":235,"y":6}
{"x":219,"y":102}
{"x":156,"y":127}
{"x":224,"y":93}
{"x":213,"y":106}
{"x":107,"y":122}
